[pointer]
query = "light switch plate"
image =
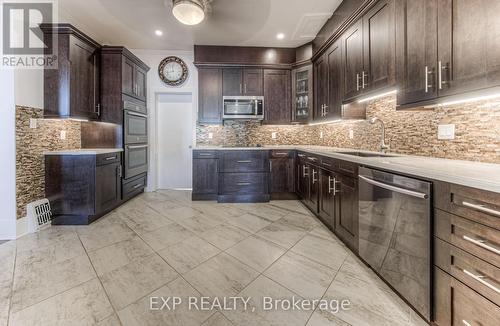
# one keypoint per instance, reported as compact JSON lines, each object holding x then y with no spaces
{"x":351,"y":134}
{"x":63,"y":135}
{"x":33,"y":124}
{"x":210,"y":135}
{"x":274,"y":135}
{"x":446,"y":132}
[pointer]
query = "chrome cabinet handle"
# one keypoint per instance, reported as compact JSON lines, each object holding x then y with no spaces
{"x":314,"y":178}
{"x":311,"y":158}
{"x":137,"y":186}
{"x":301,"y":155}
{"x":481,"y":279}
{"x":241,"y":88}
{"x":304,"y":168}
{"x":441,"y":67}
{"x":243,"y":183}
{"x":248,"y":161}
{"x":205,"y":154}
{"x":270,"y":166}
{"x":427,"y":73}
{"x":395,"y":189}
{"x":466,"y":323}
{"x":481,"y":208}
{"x":245,"y":88}
{"x":363,"y":79}
{"x":330,"y":184}
{"x":326,"y":164}
{"x":281,"y":154}
{"x":481,"y":243}
{"x":357,"y":82}
{"x":110,"y":158}
{"x":335,"y":190}
{"x":98,"y":109}
{"x":120,"y":171}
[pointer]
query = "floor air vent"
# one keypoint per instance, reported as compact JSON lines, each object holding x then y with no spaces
{"x":39,"y":215}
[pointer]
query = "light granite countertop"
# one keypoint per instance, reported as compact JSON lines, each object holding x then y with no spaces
{"x":478,"y":175}
{"x":85,"y":151}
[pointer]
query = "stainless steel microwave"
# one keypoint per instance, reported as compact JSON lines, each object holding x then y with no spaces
{"x":243,"y":107}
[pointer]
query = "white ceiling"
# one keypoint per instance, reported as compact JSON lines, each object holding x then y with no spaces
{"x":231,"y":22}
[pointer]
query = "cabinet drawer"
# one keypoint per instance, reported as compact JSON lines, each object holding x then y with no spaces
{"x":281,"y":153}
{"x":472,"y":271}
{"x":313,"y":159}
{"x":134,"y":186}
{"x":457,"y":304}
{"x":204,"y":154}
{"x":474,"y":238}
{"x":302,"y":157}
{"x":348,"y":168}
{"x":245,"y":161}
{"x":477,"y":205}
{"x":329,"y":163}
{"x":135,"y":106}
{"x":243,"y":183}
{"x":108,"y":158}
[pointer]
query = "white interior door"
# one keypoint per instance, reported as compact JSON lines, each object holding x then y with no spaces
{"x":175,"y":137}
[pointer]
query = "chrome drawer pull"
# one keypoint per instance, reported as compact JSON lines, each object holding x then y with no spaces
{"x":282,"y":154}
{"x":335,"y":190}
{"x":481,"y":208}
{"x":243,"y":183}
{"x":326,"y":164}
{"x":482,"y":244}
{"x":480,"y":279}
{"x":205,"y":154}
{"x":301,"y":155}
{"x":243,"y":161}
{"x":137,"y":186}
{"x":466,"y":323}
{"x":311,"y":158}
{"x":110,"y":158}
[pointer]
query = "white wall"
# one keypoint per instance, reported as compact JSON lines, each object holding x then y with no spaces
{"x":28,"y":87}
{"x":156,"y":87}
{"x":8,"y":156}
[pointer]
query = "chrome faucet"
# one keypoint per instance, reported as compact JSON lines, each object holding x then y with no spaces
{"x":383,"y":146}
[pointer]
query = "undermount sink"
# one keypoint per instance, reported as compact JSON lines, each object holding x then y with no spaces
{"x":364,"y":154}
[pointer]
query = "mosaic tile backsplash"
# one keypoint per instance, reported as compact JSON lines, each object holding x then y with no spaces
{"x":477,"y":132}
{"x":30,"y":145}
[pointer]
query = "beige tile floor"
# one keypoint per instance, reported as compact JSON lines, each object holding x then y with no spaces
{"x":163,"y":245}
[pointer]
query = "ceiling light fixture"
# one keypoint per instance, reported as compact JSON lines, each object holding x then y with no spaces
{"x":189,"y":12}
{"x":158,"y":32}
{"x":280,"y":36}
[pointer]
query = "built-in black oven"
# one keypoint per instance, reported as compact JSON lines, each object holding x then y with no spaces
{"x":136,"y":159}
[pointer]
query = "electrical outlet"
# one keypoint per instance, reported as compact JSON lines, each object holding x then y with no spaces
{"x":33,"y":123}
{"x":351,"y":134}
{"x":274,"y":135}
{"x":321,"y":134}
{"x":63,"y":135}
{"x":446,"y":132}
{"x":210,"y":135}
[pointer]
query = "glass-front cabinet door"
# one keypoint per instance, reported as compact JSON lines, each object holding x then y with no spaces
{"x":302,"y":94}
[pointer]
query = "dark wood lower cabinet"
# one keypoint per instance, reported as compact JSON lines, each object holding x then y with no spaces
{"x":302,"y":180}
{"x":205,"y":178}
{"x":312,"y":199}
{"x":327,"y":198}
{"x":346,"y":211}
{"x":82,"y":188}
{"x":282,"y":178}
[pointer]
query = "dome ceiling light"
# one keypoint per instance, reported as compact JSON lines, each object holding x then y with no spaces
{"x":189,"y":12}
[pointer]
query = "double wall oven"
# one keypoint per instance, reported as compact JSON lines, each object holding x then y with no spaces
{"x":135,"y":128}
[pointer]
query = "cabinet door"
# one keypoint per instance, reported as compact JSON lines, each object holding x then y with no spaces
{"x":282,"y":175}
{"x":209,"y":95}
{"x":335,"y":75}
{"x":232,"y":81}
{"x":469,"y":46}
{"x":140,"y":81}
{"x":302,"y":180}
{"x":277,"y":108}
{"x":302,"y":94}
{"x":128,"y":71}
{"x":108,"y":187}
{"x":346,"y":210}
{"x":252,"y":82}
{"x":320,"y":88}
{"x":379,"y":46}
{"x":352,"y":43}
{"x":327,"y":198}
{"x":312,"y":200}
{"x":416,"y":46}
{"x":205,"y":176}
{"x":84,"y":83}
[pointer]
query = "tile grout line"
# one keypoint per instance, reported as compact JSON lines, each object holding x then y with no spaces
{"x":100,"y":282}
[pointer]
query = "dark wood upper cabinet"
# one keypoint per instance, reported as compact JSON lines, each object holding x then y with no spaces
{"x":379,"y":47}
{"x":123,"y":79}
{"x":320,"y":88}
{"x":469,"y":47}
{"x":242,"y":82}
{"x":210,"y":95}
{"x":277,"y":95}
{"x":352,"y":43}
{"x":302,"y":94}
{"x":416,"y":50}
{"x":335,"y":85}
{"x":72,"y":90}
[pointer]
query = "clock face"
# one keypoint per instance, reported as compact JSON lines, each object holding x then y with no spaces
{"x":173,"y":71}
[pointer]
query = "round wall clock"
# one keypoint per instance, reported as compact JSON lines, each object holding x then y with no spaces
{"x":173,"y":71}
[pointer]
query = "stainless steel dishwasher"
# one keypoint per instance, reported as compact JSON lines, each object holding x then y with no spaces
{"x":395,"y":233}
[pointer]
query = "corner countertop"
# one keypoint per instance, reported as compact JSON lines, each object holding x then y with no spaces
{"x":485,"y":176}
{"x":85,"y":151}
